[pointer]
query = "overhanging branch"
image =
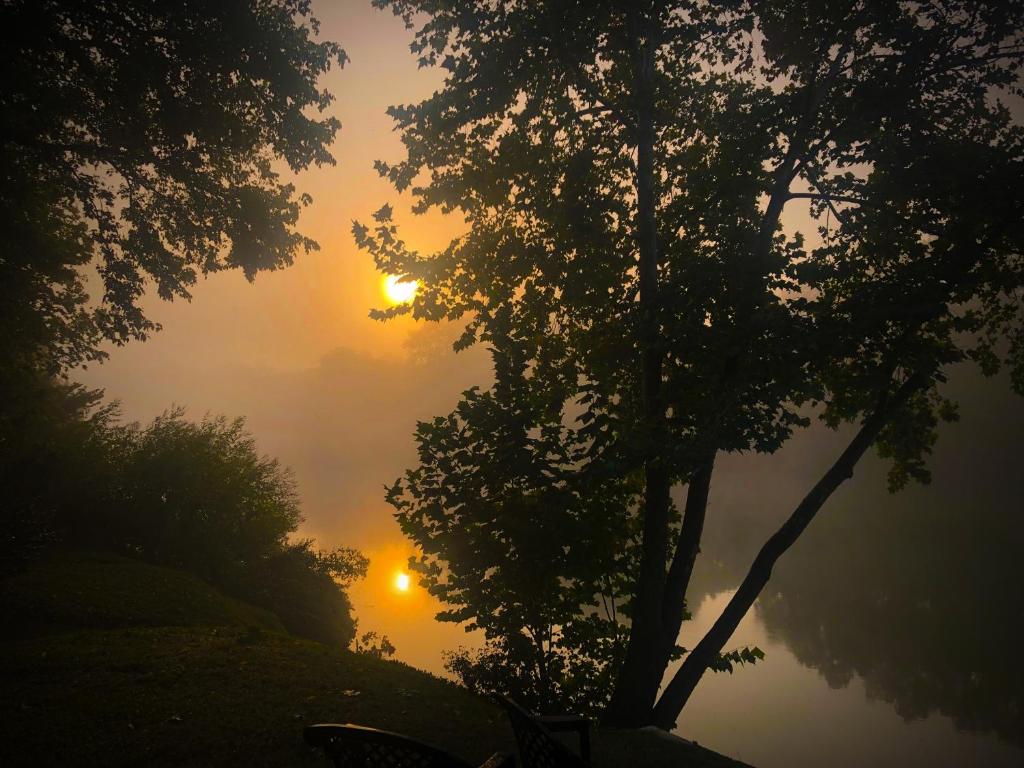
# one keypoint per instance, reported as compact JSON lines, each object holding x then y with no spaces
{"x":696,"y":663}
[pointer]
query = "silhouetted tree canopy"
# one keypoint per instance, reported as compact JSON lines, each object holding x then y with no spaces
{"x":306,"y":588}
{"x":200,"y":497}
{"x":54,"y":456}
{"x":624,"y":168}
{"x":143,"y":144}
{"x":196,"y":496}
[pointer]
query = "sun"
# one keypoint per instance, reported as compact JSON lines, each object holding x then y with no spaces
{"x":402,"y":582}
{"x":400,"y":291}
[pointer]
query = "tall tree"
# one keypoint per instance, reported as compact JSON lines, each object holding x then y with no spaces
{"x":624,"y":168}
{"x":146,"y":140}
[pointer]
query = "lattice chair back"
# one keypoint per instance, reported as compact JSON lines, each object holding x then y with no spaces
{"x":538,"y":748}
{"x":355,"y":746}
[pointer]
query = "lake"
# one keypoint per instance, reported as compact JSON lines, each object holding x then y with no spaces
{"x":892,"y":628}
{"x":782,"y":713}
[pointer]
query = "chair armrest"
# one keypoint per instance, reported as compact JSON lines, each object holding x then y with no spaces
{"x":556,"y":723}
{"x":567,"y":723}
{"x":499,"y":760}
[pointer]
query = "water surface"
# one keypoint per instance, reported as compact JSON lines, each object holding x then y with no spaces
{"x":783,"y":714}
{"x":892,"y":628}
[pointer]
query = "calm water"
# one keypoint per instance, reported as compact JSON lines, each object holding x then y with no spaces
{"x":782,"y":713}
{"x":893,"y":627}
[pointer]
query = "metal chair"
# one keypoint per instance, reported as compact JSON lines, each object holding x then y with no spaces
{"x":537,"y":747}
{"x":356,"y":746}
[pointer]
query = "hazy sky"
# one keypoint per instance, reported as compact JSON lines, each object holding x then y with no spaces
{"x":332,"y":393}
{"x":335,"y":395}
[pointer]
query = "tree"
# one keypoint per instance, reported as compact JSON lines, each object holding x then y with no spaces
{"x":53,"y":456}
{"x":146,"y":139}
{"x":623,"y":168}
{"x":307,"y":589}
{"x":199,"y":497}
{"x":527,"y":557}
{"x":195,"y":496}
{"x":375,"y":646}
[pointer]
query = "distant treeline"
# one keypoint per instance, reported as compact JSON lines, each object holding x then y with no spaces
{"x":196,"y":496}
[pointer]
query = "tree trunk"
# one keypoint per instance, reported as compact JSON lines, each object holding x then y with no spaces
{"x":638,"y":681}
{"x":687,"y":547}
{"x":678,"y":691}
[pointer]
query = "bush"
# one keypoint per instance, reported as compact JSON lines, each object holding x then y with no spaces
{"x":299,"y":585}
{"x":194,"y":496}
{"x":198,"y":496}
{"x":53,"y":459}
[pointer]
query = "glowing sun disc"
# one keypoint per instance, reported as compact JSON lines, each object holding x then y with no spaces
{"x":399,"y":291}
{"x":402,"y":582}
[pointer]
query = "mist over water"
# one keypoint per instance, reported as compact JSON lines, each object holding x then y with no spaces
{"x":890,"y":628}
{"x":786,"y":712}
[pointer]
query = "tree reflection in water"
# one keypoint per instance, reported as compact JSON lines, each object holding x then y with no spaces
{"x":920,"y":593}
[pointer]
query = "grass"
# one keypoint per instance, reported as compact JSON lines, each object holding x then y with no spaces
{"x":116,"y":662}
{"x":75,"y":590}
{"x":112,"y":661}
{"x":216,"y":696}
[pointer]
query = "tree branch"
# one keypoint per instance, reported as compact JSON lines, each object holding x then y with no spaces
{"x":687,"y":548}
{"x":593,"y":110}
{"x":827,"y":197}
{"x":679,"y":689}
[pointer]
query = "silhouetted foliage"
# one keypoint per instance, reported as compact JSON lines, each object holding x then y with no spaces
{"x":624,"y":168}
{"x":198,"y":495}
{"x":54,"y":455}
{"x":574,"y":671}
{"x":141,"y":145}
{"x":144,"y":139}
{"x":195,"y":496}
{"x":545,"y":551}
{"x":374,"y":645}
{"x":305,"y":589}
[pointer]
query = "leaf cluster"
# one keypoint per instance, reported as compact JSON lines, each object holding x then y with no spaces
{"x":194,"y":496}
{"x":886,"y":124}
{"x":142,"y":142}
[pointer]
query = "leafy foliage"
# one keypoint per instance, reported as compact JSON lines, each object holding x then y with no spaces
{"x":575,"y":671}
{"x":532,"y":545}
{"x":53,"y":457}
{"x":374,"y":645}
{"x":728,"y":661}
{"x":623,"y":169}
{"x":143,"y":145}
{"x":298,"y":584}
{"x":145,"y":140}
{"x":198,"y":497}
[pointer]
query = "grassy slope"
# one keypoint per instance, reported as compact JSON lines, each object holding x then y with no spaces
{"x":163,"y":670}
{"x":217,"y":696}
{"x":113,"y":661}
{"x":75,"y":590}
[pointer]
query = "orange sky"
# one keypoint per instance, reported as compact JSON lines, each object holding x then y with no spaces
{"x":330,"y":392}
{"x":335,"y":395}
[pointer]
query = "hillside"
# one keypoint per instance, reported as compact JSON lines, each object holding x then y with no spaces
{"x":120,"y":663}
{"x":96,"y":590}
{"x":223,"y":695}
{"x":117,"y":661}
